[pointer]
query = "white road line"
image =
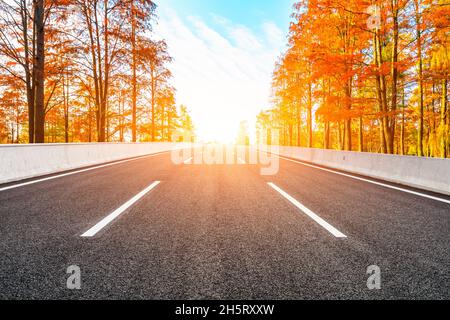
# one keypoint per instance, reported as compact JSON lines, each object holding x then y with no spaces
{"x":369,"y":181}
{"x":76,"y":172}
{"x":108,"y":219}
{"x":187,"y":161}
{"x":335,"y":232}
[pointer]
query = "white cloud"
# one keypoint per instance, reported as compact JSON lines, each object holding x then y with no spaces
{"x":222,"y":72}
{"x":275,"y":36}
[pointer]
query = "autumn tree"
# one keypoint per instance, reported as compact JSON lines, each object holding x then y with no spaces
{"x":156,"y":57}
{"x":371,"y":69}
{"x":141,"y":13}
{"x":22,"y":45}
{"x":88,"y":70}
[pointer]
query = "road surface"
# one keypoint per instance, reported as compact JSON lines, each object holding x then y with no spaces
{"x":164,"y":231}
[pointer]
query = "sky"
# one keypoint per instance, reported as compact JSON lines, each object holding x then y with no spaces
{"x":224,"y":53}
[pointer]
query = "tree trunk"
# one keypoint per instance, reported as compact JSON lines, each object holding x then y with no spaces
{"x":420,"y":79}
{"x":383,"y":146}
{"x":96,"y":69}
{"x":134,"y":77}
{"x":402,"y":132}
{"x":162,"y":122}
{"x":97,"y":47}
{"x":104,"y":101}
{"x":39,"y":76}
{"x":340,"y":136}
{"x":444,"y":119}
{"x":360,"y":135}
{"x":27,"y":69}
{"x":17,"y":127}
{"x":291,"y":134}
{"x":385,"y":118}
{"x":348,"y":120}
{"x":310,"y":131}
{"x":326,"y":131}
{"x":66,"y":108}
{"x":90,"y":122}
{"x":299,"y":125}
{"x":169,"y":124}
{"x":153,"y":81}
{"x":394,"y":73}
{"x":326,"y":135}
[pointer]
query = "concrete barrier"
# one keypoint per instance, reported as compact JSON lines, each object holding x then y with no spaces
{"x":19,"y":162}
{"x":425,"y":173}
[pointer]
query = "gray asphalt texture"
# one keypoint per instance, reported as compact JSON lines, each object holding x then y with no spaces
{"x":220,"y":232}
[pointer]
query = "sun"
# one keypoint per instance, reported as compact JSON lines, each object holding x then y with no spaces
{"x":217,"y":132}
{"x":221,"y":128}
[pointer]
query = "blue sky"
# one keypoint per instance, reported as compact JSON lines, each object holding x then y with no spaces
{"x":224,"y":53}
{"x":248,"y":12}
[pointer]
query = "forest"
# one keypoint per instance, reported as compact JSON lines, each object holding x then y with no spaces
{"x":85,"y":71}
{"x":364,"y":75}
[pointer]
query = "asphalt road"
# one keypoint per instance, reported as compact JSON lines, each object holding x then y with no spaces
{"x":221,"y":232}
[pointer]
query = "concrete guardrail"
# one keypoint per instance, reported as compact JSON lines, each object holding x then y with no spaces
{"x":19,"y":162}
{"x":431,"y":174}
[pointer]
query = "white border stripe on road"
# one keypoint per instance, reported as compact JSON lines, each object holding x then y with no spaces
{"x":335,"y":232}
{"x":79,"y":171}
{"x":99,"y":226}
{"x":369,"y":181}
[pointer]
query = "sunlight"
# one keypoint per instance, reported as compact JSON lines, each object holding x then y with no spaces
{"x":222,"y":70}
{"x":218,"y":136}
{"x":222,"y":130}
